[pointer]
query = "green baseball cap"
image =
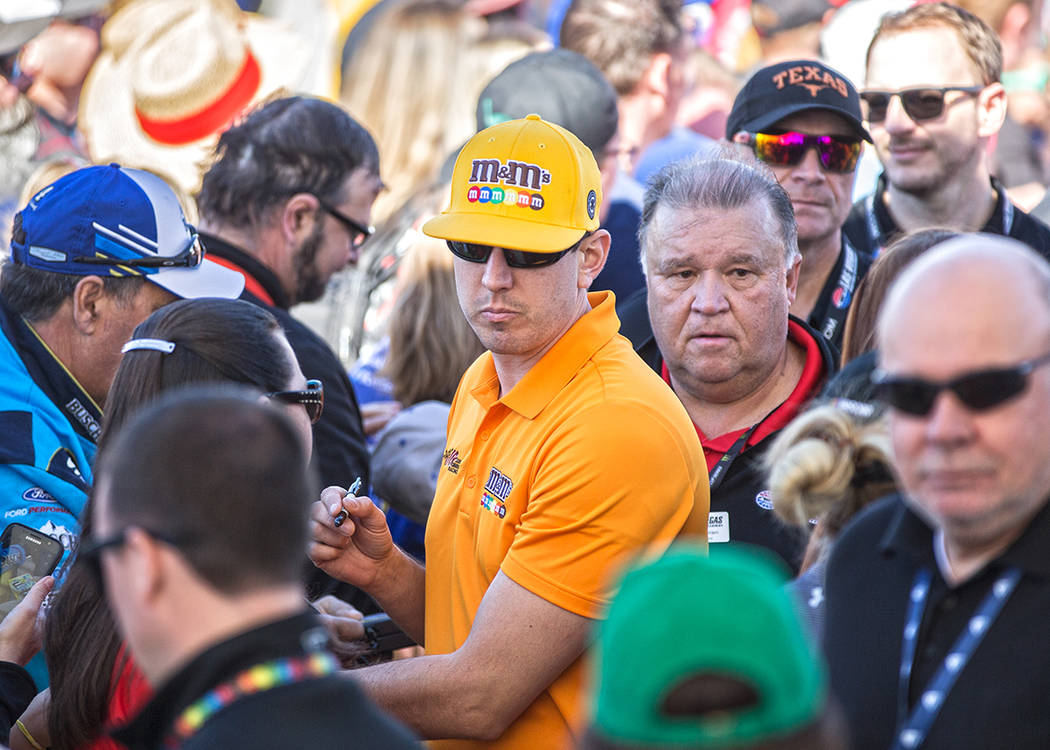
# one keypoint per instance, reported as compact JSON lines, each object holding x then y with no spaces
{"x":689,"y":615}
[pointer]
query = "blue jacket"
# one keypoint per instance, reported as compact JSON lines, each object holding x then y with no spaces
{"x":48,"y":428}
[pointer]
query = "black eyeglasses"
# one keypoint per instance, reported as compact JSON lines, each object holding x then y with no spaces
{"x":90,"y":550}
{"x":190,"y":257}
{"x":924,"y":103}
{"x":312,"y":398}
{"x":475,"y":253}
{"x":978,"y":391}
{"x":836,"y":153}
{"x":358,"y":232}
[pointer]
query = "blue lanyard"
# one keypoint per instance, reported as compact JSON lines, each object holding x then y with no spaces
{"x":913,"y":727}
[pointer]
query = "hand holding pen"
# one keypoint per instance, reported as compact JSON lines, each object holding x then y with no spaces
{"x":357,"y":551}
{"x":343,"y":515}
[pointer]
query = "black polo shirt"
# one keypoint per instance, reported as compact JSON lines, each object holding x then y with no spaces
{"x":741,"y":498}
{"x":1001,"y":697}
{"x":870,"y":228}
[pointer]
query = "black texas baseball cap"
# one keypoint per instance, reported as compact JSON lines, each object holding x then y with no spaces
{"x":776,"y":91}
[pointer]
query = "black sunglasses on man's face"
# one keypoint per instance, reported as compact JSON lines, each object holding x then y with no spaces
{"x":91,"y":548}
{"x":473,"y":252}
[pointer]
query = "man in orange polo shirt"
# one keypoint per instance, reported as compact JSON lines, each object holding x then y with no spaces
{"x":565,"y":457}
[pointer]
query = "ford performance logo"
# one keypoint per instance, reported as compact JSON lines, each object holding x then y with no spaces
{"x":37,"y":495}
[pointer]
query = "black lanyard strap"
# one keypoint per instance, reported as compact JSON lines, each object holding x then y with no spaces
{"x":875,"y":233}
{"x":835,"y":316}
{"x":718,"y":474}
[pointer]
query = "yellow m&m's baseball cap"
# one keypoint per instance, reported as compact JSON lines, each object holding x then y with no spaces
{"x":522,"y":185}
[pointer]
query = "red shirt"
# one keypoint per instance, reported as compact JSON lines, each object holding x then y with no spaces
{"x":808,"y":383}
{"x":130,"y":693}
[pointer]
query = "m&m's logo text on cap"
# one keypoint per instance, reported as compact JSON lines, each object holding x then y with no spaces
{"x":513,"y":173}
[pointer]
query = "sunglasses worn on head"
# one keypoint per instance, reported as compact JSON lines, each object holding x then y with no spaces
{"x":475,"y":253}
{"x":978,"y":391}
{"x":836,"y":153}
{"x":312,"y":398}
{"x":191,"y":257}
{"x":924,"y":103}
{"x":358,"y":232}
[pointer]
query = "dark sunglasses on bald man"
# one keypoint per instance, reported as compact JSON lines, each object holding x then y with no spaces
{"x":475,"y":253}
{"x":978,"y":391}
{"x":312,"y":398}
{"x":836,"y":153}
{"x":925,"y":103}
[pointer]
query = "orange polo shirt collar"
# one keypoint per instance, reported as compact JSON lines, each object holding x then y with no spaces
{"x":559,"y":365}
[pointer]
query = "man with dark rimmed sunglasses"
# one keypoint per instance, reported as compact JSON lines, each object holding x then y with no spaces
{"x":933,"y":100}
{"x":287,"y":203}
{"x":564,"y":455}
{"x":802,"y":119}
{"x":937,"y":598}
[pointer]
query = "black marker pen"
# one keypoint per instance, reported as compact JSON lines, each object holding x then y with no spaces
{"x":343,"y":515}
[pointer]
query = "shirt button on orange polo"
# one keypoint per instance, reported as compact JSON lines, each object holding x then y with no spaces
{"x":472,"y":480}
{"x":485,"y":435}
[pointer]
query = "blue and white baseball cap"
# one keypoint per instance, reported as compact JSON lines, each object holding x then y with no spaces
{"x":114,"y":221}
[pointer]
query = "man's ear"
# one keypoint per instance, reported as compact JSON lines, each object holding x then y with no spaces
{"x":146,"y":567}
{"x":657,"y":76}
{"x":792,"y":277}
{"x":89,"y":304}
{"x":593,"y":253}
{"x":297,"y":217}
{"x":991,"y":110}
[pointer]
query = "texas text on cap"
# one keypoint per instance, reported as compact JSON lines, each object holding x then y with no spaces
{"x":522,"y":185}
{"x":689,"y":616}
{"x":562,"y":87}
{"x":105,"y":213}
{"x":780,"y":90}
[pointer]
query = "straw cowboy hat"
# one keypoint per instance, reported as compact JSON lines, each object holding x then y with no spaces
{"x":174,"y":74}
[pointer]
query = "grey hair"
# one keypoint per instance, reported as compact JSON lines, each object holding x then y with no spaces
{"x":721,"y":182}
